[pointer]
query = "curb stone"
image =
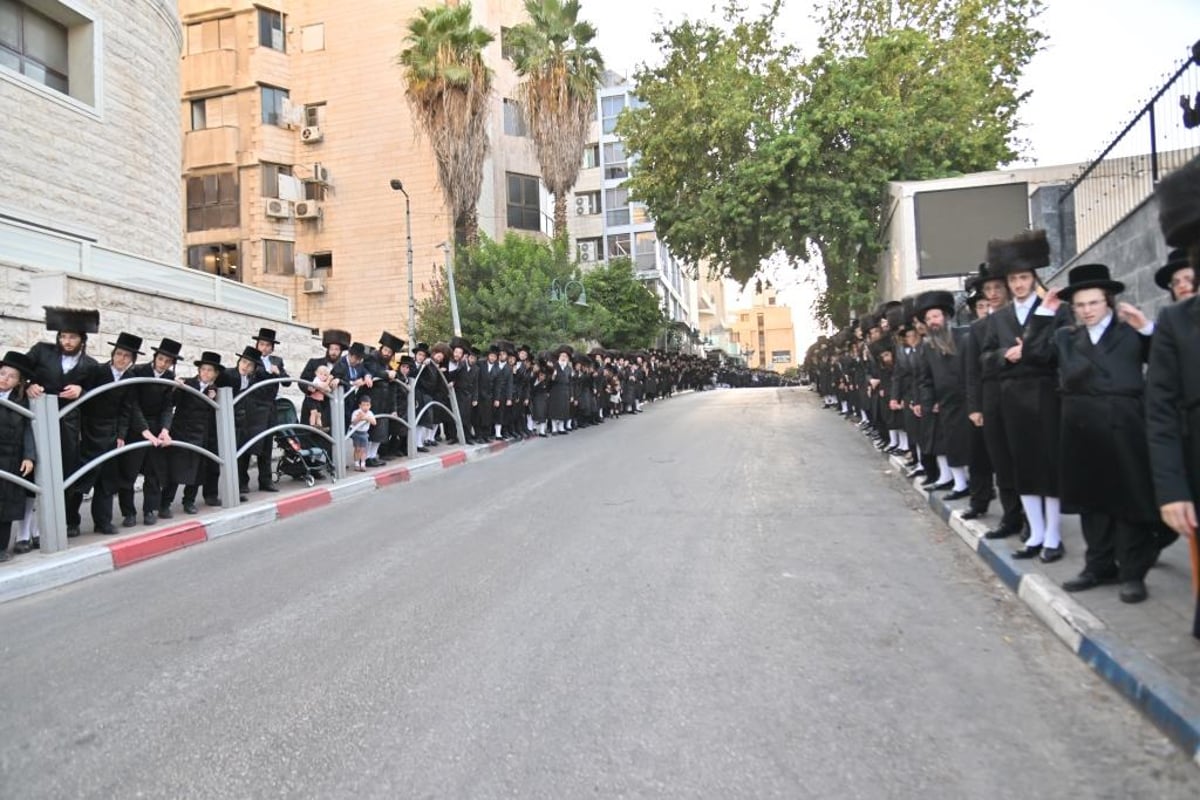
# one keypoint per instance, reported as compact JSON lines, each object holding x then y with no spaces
{"x":1145,"y":684}
{"x":38,"y":573}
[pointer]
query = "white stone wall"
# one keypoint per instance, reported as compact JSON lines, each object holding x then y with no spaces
{"x":108,"y":171}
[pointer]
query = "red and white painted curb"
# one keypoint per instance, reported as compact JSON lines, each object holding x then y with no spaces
{"x":38,"y":573}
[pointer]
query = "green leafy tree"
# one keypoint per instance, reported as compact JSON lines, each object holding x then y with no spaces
{"x":560,"y":70}
{"x":448,"y":87}
{"x":627,"y":314}
{"x":898,"y":90}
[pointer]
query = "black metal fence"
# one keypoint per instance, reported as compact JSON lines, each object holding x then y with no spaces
{"x":1162,"y":136}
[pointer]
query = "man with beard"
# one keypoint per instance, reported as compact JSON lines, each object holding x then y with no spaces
{"x":155,"y":405}
{"x":940,"y":382}
{"x":560,"y":391}
{"x":464,"y":379}
{"x":989,"y":451}
{"x":1028,"y":412}
{"x":62,"y":369}
{"x":335,"y":343}
{"x":383,"y":393}
{"x":273,"y":366}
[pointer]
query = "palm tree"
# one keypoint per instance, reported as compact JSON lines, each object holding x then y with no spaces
{"x":560,"y":71}
{"x":449,"y":87}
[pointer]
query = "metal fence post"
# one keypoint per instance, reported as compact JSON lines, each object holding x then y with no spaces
{"x":337,"y":427}
{"x":410,"y":414}
{"x":462,"y":433}
{"x":227,"y":448}
{"x":48,"y":474}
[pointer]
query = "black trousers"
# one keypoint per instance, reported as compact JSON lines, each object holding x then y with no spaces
{"x":265,"y":449}
{"x":1117,"y":547}
{"x":981,"y":476}
{"x":1002,"y":464}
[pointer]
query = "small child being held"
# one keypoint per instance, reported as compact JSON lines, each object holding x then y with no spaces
{"x":315,"y":407}
{"x":360,"y":422}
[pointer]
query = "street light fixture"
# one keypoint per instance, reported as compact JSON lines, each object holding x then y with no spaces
{"x":397,"y":186}
{"x":561,"y":293}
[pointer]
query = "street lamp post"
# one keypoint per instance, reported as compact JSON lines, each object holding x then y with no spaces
{"x":450,"y":283}
{"x":412,"y":300}
{"x":561,"y":292}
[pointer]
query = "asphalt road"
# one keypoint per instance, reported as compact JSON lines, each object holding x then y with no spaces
{"x":724,"y":597}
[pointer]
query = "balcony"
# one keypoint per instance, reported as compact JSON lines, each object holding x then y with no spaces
{"x":212,"y":147}
{"x":196,"y":8}
{"x":209,"y":71}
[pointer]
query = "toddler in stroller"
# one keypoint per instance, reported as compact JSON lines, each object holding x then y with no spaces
{"x":304,"y":456}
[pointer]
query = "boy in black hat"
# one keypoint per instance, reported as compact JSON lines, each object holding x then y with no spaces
{"x":273,"y":366}
{"x":17,"y":452}
{"x":1177,"y":276}
{"x":253,"y":414}
{"x":193,"y":422}
{"x":154,"y":410}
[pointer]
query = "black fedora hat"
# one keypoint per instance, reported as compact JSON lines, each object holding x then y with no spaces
{"x":127,"y":341}
{"x":357,"y":349}
{"x":250,"y":353}
{"x":168,"y":347}
{"x":72,"y":320}
{"x":266,"y":335}
{"x":210,"y":358}
{"x":421,"y":347}
{"x":927,"y":301}
{"x":1089,"y":276}
{"x":20,"y":362}
{"x":1176,"y":260}
{"x":393,"y":343}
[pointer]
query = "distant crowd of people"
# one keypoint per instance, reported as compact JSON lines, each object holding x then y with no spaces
{"x":1062,"y":401}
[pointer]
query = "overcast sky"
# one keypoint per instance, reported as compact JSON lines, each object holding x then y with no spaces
{"x":1103,"y":60}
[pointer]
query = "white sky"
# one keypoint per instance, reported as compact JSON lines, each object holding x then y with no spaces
{"x":1103,"y":60}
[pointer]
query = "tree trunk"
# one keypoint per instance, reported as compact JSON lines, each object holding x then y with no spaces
{"x":560,"y":216}
{"x":466,"y":231}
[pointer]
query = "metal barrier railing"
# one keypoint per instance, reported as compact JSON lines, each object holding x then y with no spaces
{"x":50,"y":485}
{"x":1126,"y":172}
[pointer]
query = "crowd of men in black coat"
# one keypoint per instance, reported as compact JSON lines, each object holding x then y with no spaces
{"x":1055,"y":401}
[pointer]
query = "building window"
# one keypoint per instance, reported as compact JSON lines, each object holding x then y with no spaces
{"x":322,"y":264}
{"x":214,"y":112}
{"x":215,"y":34}
{"x":506,"y":43}
{"x":314,"y":190}
{"x":199,"y":117}
{"x":270,"y":179}
{"x":34,"y":45}
{"x":215,"y":259}
{"x":638,"y":214}
{"x":273,"y":101}
{"x":212,"y":201}
{"x":618,"y":245}
{"x":589,"y":250}
{"x":587,"y":203}
{"x":524,"y":202}
{"x":314,"y":115}
{"x":278,"y":257}
{"x":770,"y":301}
{"x":610,"y":109}
{"x":616,"y":167}
{"x":270,"y":30}
{"x":514,"y":119}
{"x":644,"y":244}
{"x":591,"y":156}
{"x":312,"y":37}
{"x":616,"y":204}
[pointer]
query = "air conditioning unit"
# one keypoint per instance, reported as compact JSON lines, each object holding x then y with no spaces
{"x":314,"y":286}
{"x":278,"y":209}
{"x":581,"y":206}
{"x":311,"y":134}
{"x":320,"y":173}
{"x":308,"y":209}
{"x":587,"y":251}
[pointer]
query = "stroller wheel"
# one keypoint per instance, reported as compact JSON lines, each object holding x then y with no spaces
{"x":310,"y":481}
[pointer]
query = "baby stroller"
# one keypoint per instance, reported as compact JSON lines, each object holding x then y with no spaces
{"x":304,"y":456}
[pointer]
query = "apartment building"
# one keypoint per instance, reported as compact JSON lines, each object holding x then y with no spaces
{"x":764,"y":333}
{"x":604,"y":223}
{"x":295,"y":122}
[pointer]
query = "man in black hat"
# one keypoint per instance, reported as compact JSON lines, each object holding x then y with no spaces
{"x":253,"y":413}
{"x":464,"y":378}
{"x":1177,"y":276}
{"x":1105,"y":460}
{"x":109,"y":417}
{"x":491,"y":384}
{"x":193,"y":422}
{"x":1173,"y":377}
{"x":62,"y":369}
{"x":272,"y":365}
{"x":1028,"y":412}
{"x":381,"y":366}
{"x":940,"y":383}
{"x":560,"y":391}
{"x":335,"y":342}
{"x":155,"y":405}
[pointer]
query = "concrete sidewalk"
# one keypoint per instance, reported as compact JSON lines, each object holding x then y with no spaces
{"x":1145,"y":651}
{"x":94,"y":554}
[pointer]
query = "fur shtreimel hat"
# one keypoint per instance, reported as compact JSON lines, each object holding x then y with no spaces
{"x":72,"y":320}
{"x":1178,"y":197}
{"x":927,"y":301}
{"x":335,"y":336}
{"x":1025,"y":252}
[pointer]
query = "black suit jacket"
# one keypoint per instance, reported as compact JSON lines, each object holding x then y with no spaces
{"x":1173,"y":403}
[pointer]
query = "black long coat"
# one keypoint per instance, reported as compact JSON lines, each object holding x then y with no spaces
{"x":155,"y":404}
{"x":1173,"y":403}
{"x":1105,"y":460}
{"x":107,"y":417}
{"x":941,"y":383}
{"x":16,"y":444}
{"x":193,"y":421}
{"x":253,"y":415}
{"x":539,"y":393}
{"x":560,"y":391}
{"x":48,"y":374}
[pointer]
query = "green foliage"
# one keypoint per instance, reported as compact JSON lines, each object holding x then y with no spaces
{"x":898,"y":90}
{"x":503,"y":292}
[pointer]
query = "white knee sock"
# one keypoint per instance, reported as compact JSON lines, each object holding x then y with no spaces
{"x":1032,"y":504}
{"x":960,"y":478}
{"x":903,"y":440}
{"x":1053,"y":518}
{"x":862,"y":414}
{"x":845,"y":407}
{"x":497,"y":427}
{"x":372,"y":449}
{"x":893,"y":438}
{"x":943,"y":468}
{"x":29,"y":527}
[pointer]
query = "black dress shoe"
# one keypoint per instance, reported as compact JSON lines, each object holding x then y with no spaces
{"x":36,"y":543}
{"x":243,"y":498}
{"x":419,"y":450}
{"x":72,"y":531}
{"x":957,"y":495}
{"x":151,"y":518}
{"x":929,"y":481}
{"x":215,"y":502}
{"x":268,"y":488}
{"x":375,"y":462}
{"x":129,"y":521}
{"x":1084,"y":581}
{"x":4,"y":556}
{"x":190,"y":508}
{"x":1133,"y":591}
{"x":941,"y":487}
{"x":106,"y":530}
{"x":972,"y":513}
{"x":21,"y":548}
{"x":999,"y":533}
{"x":165,"y":513}
{"x":1028,"y":551}
{"x":914,"y":472}
{"x":1052,"y":554}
